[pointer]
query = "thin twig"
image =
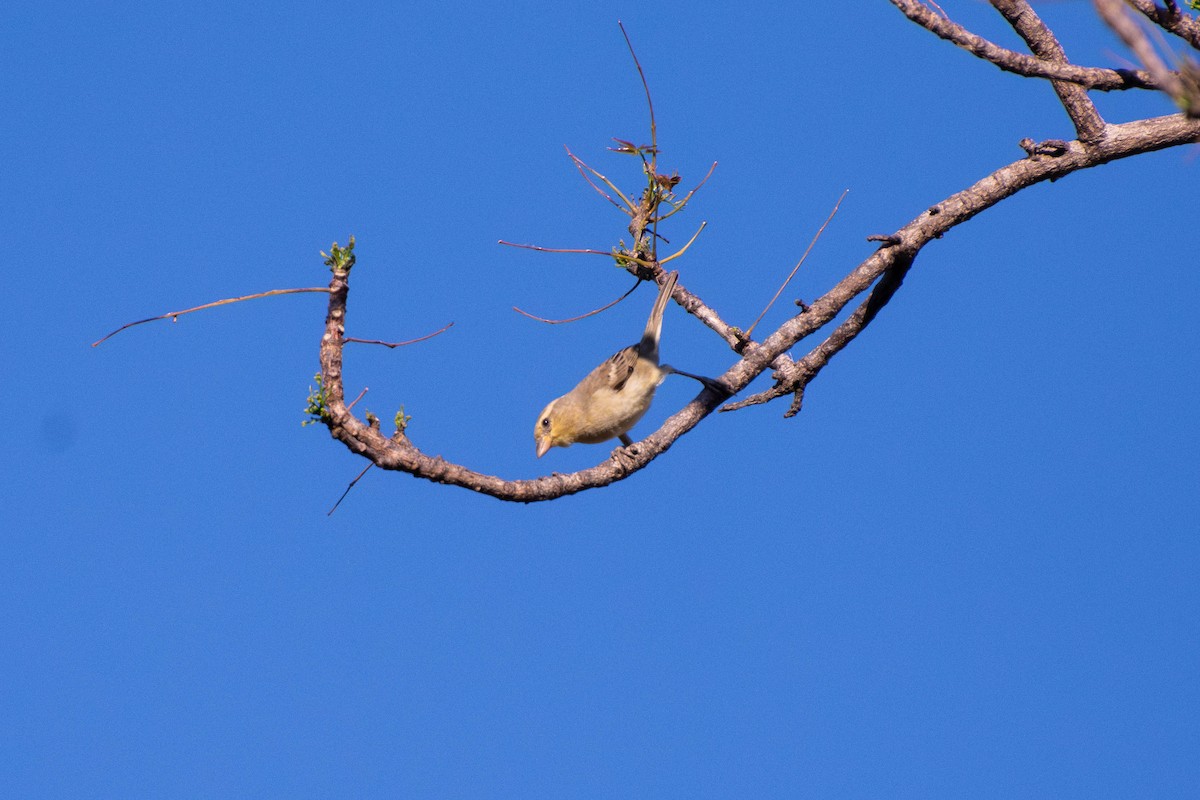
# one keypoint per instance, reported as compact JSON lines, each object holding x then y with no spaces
{"x":394,"y":345}
{"x":683,"y":249}
{"x":348,"y":488}
{"x":360,"y":397}
{"x":679,"y":206}
{"x":649,"y":102}
{"x":794,"y":377}
{"x":556,"y":249}
{"x":796,"y":268}
{"x":581,"y":316}
{"x":175,"y":314}
{"x":581,"y":165}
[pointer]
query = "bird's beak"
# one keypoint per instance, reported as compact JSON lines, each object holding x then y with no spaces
{"x":542,"y":446}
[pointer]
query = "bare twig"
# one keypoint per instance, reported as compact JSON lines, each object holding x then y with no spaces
{"x":649,"y":101}
{"x":354,"y":402}
{"x":172,"y":315}
{"x":581,"y":316}
{"x":795,"y":377}
{"x":678,"y":206}
{"x":394,"y":345}
{"x":557,"y":249}
{"x":796,"y":268}
{"x":329,"y":513}
{"x":581,"y":165}
{"x":684,"y":249}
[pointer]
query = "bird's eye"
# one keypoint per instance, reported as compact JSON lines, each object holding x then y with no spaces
{"x":546,"y":423}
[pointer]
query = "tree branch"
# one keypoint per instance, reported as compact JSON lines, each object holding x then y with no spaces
{"x":1115,"y":14}
{"x":399,"y":453}
{"x":884,"y":270}
{"x":1121,"y":141}
{"x":1104,"y":80}
{"x":174,"y":315}
{"x":794,"y":377}
{"x":1088,"y":125}
{"x":1171,"y":19}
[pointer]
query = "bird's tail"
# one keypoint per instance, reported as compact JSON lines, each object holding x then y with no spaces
{"x":649,"y":345}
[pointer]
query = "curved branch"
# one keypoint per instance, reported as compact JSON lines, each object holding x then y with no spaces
{"x":407,"y":342}
{"x":399,"y":453}
{"x":174,"y":315}
{"x":1105,"y":80}
{"x":1120,"y":141}
{"x":584,"y":315}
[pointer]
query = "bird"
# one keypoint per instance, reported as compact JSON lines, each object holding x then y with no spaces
{"x":615,"y":395}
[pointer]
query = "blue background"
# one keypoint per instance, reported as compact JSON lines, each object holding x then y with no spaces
{"x":967,"y":569}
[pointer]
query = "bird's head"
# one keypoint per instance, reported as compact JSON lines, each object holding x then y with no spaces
{"x":552,"y":429}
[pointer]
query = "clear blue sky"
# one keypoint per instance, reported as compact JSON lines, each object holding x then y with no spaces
{"x":967,"y":569}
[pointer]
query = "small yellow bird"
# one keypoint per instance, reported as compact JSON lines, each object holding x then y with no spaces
{"x":615,"y":395}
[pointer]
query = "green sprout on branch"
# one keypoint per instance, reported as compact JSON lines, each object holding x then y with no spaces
{"x":342,"y":258}
{"x":316,"y":410}
{"x":402,"y":420}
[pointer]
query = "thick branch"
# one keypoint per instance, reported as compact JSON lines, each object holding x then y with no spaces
{"x":1121,"y":141}
{"x":1088,"y":124}
{"x":398,"y":453}
{"x":795,"y":376}
{"x":1088,"y":77}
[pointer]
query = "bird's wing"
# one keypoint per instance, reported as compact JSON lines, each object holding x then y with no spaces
{"x":619,"y":367}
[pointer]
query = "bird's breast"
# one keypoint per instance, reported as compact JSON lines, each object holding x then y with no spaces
{"x":611,"y":413}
